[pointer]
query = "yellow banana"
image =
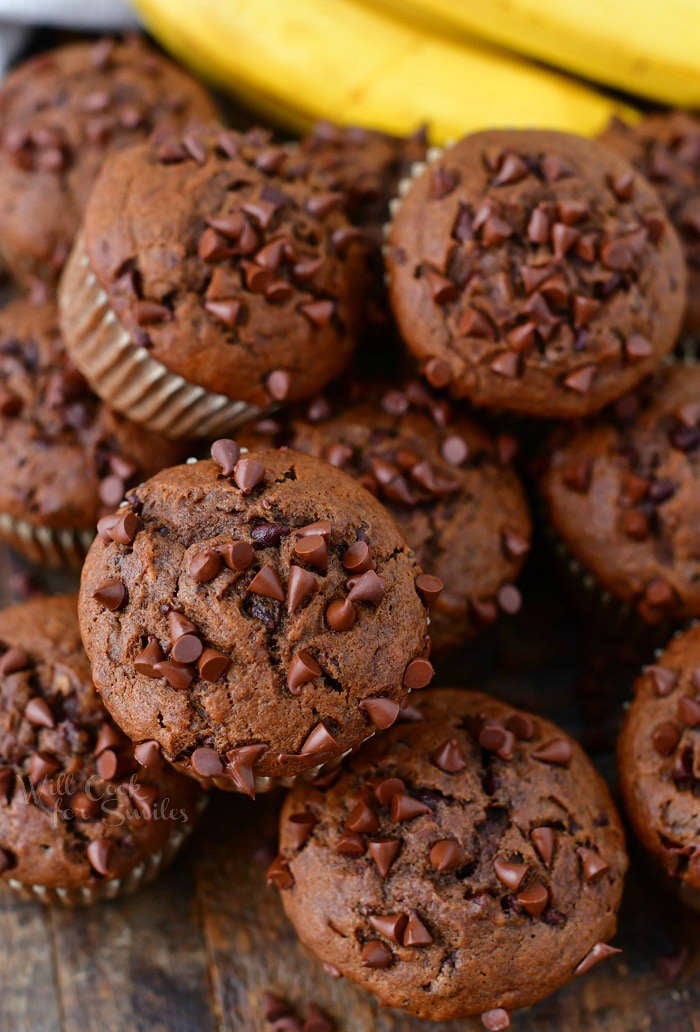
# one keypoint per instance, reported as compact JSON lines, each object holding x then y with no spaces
{"x":649,"y":48}
{"x":301,"y":60}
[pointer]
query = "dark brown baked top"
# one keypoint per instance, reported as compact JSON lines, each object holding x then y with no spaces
{"x":60,"y":114}
{"x":467,"y":861}
{"x":75,"y":805}
{"x":659,"y":761}
{"x":266,"y":602}
{"x":535,"y":271}
{"x":623,"y":494}
{"x":666,"y":149}
{"x":223,"y":259}
{"x":449,"y":485}
{"x":366,"y":165}
{"x":66,"y":457}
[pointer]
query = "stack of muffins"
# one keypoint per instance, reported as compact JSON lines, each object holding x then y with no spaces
{"x":258,"y":618}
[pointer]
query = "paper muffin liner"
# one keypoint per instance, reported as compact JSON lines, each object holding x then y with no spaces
{"x":47,"y":546}
{"x":112,"y":888}
{"x":125,"y":375}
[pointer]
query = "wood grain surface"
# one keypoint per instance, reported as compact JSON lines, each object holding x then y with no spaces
{"x":198,"y":950}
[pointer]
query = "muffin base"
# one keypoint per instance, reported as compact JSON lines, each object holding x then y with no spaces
{"x":45,"y":545}
{"x":125,"y":375}
{"x":113,"y":888}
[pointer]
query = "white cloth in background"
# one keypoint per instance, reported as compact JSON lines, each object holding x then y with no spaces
{"x":19,"y":17}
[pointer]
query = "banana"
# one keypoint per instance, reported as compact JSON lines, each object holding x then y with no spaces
{"x":298,"y":61}
{"x":648,"y":48}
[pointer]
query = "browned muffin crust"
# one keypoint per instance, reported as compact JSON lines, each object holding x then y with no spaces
{"x":535,"y":272}
{"x":75,"y":805}
{"x":666,"y":149}
{"x":623,"y":494}
{"x":452,"y":491}
{"x":61,"y":113}
{"x":658,"y":753}
{"x":66,"y":457}
{"x":469,"y":861}
{"x":227,"y":264}
{"x":259,"y":614}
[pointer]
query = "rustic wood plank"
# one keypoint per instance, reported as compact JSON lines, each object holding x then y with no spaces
{"x":135,"y":964}
{"x":29,"y":1000}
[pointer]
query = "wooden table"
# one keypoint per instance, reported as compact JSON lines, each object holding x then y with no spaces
{"x":197,"y":951}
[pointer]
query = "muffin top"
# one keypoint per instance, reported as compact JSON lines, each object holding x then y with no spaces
{"x":623,"y":494}
{"x":535,"y":272}
{"x":61,"y":112}
{"x":366,"y":165}
{"x":469,"y":861}
{"x":224,"y":260}
{"x":66,"y":457}
{"x":658,"y":767}
{"x":261,"y":612}
{"x":75,"y":805}
{"x":448,"y":484}
{"x":666,"y":149}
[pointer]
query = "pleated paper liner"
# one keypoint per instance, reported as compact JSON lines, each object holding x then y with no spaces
{"x":112,"y":888}
{"x":46,"y":546}
{"x":125,"y":375}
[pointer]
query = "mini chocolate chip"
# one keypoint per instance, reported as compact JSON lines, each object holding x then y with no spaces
{"x":100,"y":853}
{"x":447,"y":855}
{"x":279,"y":384}
{"x":418,"y":674}
{"x":213,"y":665}
{"x":206,"y":762}
{"x":428,"y":587}
{"x":599,"y":952}
{"x":382,"y":712}
{"x":592,"y":864}
{"x":341,"y":615}
{"x":148,"y":754}
{"x":449,"y":757}
{"x":509,"y":599}
{"x":298,"y":828}
{"x":362,"y":819}
{"x":278,"y":874}
{"x":240,"y":766}
{"x":385,"y":790}
{"x":227,"y":312}
{"x":580,"y":380}
{"x":266,"y":582}
{"x":689,"y":711}
{"x":301,"y":584}
{"x":312,"y":549}
{"x":187,"y":649}
{"x":319,"y":313}
{"x":405,"y":807}
{"x":225,"y":454}
{"x":14,"y":660}
{"x":506,"y":364}
{"x":145,"y":661}
{"x":107,"y":764}
{"x":204,"y":566}
{"x":543,"y":841}
{"x":84,"y":807}
{"x":664,"y":680}
{"x":438,"y":373}
{"x":557,"y":751}
{"x":534,"y":898}
{"x":665,"y":737}
{"x":357,"y":558}
{"x":510,"y":874}
{"x":111,"y":594}
{"x":415,"y":933}
{"x":178,"y":676}
{"x":375,"y":954}
{"x":496,"y":1020}
{"x":383,"y":852}
{"x":320,"y":739}
{"x":497,"y":739}
{"x":248,"y":474}
{"x":350,"y":844}
{"x":238,"y":555}
{"x":638,"y":347}
{"x":391,"y":926}
{"x":368,"y":587}
{"x":37,"y":712}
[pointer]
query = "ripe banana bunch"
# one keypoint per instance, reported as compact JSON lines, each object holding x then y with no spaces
{"x":648,"y":48}
{"x":298,"y":61}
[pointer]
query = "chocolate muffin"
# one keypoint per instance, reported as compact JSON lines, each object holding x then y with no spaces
{"x":211,"y":278}
{"x":658,"y":754}
{"x":255,"y":616}
{"x":66,"y":457}
{"x":623,"y":497}
{"x":469,"y":862}
{"x":449,"y":485}
{"x":666,"y":149}
{"x":535,"y":272}
{"x":82,"y":815}
{"x":61,"y":113}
